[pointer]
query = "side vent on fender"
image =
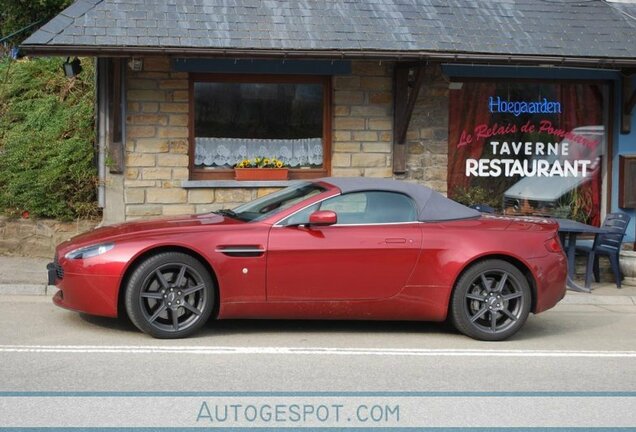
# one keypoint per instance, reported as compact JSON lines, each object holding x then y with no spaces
{"x":241,"y":251}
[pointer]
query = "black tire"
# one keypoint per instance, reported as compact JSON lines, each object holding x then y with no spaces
{"x":170,"y":295}
{"x":491,"y":301}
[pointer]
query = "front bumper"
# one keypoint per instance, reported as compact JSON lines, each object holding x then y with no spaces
{"x":83,"y":290}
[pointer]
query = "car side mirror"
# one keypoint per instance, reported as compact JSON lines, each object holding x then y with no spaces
{"x":323,"y":218}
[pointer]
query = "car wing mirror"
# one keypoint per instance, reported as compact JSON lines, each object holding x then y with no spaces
{"x":323,"y":218}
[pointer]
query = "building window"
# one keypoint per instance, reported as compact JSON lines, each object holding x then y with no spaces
{"x":243,"y":117}
{"x":529,"y":147}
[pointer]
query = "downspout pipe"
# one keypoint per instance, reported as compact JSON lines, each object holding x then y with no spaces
{"x":101,"y":108}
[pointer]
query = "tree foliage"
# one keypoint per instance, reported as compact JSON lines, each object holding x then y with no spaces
{"x":46,"y":139}
{"x":17,"y":14}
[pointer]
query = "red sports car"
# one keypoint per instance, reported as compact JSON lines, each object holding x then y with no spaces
{"x":334,"y":248}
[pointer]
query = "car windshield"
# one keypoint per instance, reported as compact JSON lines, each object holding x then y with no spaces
{"x":275,"y":202}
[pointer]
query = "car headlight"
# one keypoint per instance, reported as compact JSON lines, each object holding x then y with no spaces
{"x":89,"y":251}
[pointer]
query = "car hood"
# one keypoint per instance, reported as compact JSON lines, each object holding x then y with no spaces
{"x":163,"y":224}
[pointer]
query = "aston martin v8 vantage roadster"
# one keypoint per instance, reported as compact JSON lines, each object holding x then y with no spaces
{"x":333,"y":248}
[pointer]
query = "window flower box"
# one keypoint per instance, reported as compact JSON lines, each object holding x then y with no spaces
{"x":261,"y":168}
{"x":261,"y":173}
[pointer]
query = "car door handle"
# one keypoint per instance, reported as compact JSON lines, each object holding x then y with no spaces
{"x":395,"y":240}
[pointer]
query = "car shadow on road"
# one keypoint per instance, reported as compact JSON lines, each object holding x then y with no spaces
{"x":532,"y":330}
{"x":535,"y":328}
{"x":255,"y":326}
{"x":119,"y":324}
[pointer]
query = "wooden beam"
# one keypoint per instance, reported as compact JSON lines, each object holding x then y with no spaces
{"x":629,"y":98}
{"x":400,"y":95}
{"x":629,"y":106}
{"x":412,"y":98}
{"x":404,"y":98}
{"x":115,"y":119}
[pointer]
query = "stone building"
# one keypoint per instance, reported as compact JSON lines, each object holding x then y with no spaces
{"x":379,"y":88}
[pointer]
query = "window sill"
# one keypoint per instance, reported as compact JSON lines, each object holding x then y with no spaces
{"x":225,"y":178}
{"x":194,"y":184}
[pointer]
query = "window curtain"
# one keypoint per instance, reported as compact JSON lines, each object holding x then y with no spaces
{"x":468,"y":109}
{"x":583,"y":106}
{"x":226,"y":152}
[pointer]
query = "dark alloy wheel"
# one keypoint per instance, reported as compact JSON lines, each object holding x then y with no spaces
{"x":170,"y":295}
{"x":491,"y":301}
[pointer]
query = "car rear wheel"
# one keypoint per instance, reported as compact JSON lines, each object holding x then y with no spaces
{"x":170,"y":295}
{"x":491,"y":301}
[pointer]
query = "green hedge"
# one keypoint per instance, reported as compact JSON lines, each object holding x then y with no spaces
{"x":46,"y":140}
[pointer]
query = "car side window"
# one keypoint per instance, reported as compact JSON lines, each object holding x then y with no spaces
{"x":350,"y":208}
{"x":301,"y":217}
{"x":389,"y":207}
{"x":362,"y":208}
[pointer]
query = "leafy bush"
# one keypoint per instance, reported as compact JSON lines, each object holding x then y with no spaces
{"x":46,"y":139}
{"x":17,"y":14}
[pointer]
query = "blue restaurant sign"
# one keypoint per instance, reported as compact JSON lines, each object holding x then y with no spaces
{"x":522,"y":107}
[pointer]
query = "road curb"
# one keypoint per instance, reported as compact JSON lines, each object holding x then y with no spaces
{"x":27,"y":289}
{"x":592,"y":299}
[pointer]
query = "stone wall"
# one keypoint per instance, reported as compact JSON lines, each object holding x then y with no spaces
{"x":363,"y":126}
{"x":363,"y":121}
{"x":427,"y":136}
{"x":156,"y":141}
{"x":37,"y":238}
{"x":157,"y":137}
{"x":157,"y":148}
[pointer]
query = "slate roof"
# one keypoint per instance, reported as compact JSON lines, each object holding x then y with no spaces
{"x":566,"y":28}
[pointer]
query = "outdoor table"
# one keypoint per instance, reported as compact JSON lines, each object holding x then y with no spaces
{"x":572,"y":229}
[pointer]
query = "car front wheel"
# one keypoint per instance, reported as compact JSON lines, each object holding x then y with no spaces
{"x":491,"y":301}
{"x":170,"y":295}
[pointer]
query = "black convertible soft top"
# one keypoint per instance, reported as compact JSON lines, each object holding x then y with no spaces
{"x":431,"y":206}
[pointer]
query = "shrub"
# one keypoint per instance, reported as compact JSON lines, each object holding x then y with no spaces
{"x":46,"y":139}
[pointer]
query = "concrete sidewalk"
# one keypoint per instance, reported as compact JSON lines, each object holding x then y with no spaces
{"x":24,"y":276}
{"x":27,"y":276}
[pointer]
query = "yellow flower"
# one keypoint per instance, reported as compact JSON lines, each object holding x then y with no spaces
{"x":260,"y":162}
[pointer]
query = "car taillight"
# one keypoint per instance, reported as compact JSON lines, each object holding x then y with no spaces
{"x":553,"y":245}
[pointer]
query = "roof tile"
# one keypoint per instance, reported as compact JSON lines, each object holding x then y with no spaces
{"x":41,"y":37}
{"x":509,"y":27}
{"x":57,"y":24}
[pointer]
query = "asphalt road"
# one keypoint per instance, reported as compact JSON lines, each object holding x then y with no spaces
{"x":571,"y":348}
